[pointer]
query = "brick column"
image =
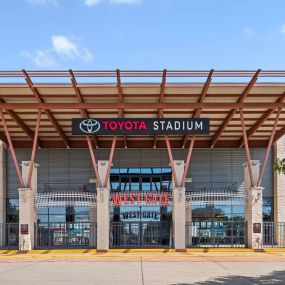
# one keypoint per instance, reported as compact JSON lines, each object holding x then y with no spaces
{"x":3,"y":191}
{"x":103,"y":211}
{"x":27,"y":210}
{"x":178,"y":208}
{"x":279,"y":196}
{"x":253,"y":213}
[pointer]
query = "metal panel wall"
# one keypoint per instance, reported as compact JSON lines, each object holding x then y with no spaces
{"x":208,"y":166}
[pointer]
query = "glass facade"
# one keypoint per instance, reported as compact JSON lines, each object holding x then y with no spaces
{"x":126,"y":180}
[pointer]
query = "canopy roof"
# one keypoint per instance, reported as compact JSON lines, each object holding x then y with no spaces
{"x":217,"y":95}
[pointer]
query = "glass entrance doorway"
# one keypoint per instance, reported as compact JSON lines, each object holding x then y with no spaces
{"x":137,"y":223}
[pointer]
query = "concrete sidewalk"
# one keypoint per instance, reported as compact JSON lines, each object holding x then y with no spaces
{"x":139,"y":272}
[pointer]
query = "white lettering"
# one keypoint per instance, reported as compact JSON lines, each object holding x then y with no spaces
{"x":199,"y":125}
{"x":177,"y":125}
{"x":169,"y":126}
{"x":155,"y":125}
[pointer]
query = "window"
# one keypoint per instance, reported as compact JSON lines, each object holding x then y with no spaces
{"x":267,"y":209}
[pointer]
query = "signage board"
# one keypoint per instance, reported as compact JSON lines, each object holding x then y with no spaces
{"x":256,"y":228}
{"x":114,"y":126}
{"x":24,"y":229}
{"x":120,"y":199}
{"x":152,"y":215}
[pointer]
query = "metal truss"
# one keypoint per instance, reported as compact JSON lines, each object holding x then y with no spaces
{"x":65,"y":199}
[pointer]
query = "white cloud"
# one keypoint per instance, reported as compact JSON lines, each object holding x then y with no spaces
{"x":95,"y":2}
{"x":41,"y":58}
{"x":62,"y":48}
{"x":43,"y":2}
{"x":282,"y":29}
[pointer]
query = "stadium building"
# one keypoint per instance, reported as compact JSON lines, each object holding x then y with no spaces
{"x":141,"y":159}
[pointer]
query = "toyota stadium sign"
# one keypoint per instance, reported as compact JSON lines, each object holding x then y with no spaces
{"x":140,"y":126}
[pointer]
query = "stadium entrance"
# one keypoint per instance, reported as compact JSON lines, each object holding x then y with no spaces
{"x":141,"y":211}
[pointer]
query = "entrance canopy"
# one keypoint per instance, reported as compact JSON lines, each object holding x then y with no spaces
{"x":215,"y":94}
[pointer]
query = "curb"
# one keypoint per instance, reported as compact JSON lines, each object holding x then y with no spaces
{"x":140,"y":250}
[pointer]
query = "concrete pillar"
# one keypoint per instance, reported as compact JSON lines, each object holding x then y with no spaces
{"x":253,"y":213}
{"x":3,"y":191}
{"x":103,"y":211}
{"x":27,"y":210}
{"x":279,"y":196}
{"x":93,"y":226}
{"x":178,"y":208}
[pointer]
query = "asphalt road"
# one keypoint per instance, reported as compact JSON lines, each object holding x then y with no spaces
{"x":139,"y":270}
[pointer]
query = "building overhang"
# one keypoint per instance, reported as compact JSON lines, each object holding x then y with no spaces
{"x":217,"y":95}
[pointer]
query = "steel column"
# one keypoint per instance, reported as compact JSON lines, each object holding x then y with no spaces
{"x":171,"y":161}
{"x":268,"y":148}
{"x":10,"y":143}
{"x":93,"y":159}
{"x":35,"y":143}
{"x":246,"y":147}
{"x":188,"y":160}
{"x":110,"y":161}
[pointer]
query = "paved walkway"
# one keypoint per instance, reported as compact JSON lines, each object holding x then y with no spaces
{"x":143,"y":268}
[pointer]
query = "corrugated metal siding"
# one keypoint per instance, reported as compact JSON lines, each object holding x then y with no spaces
{"x":208,"y":166}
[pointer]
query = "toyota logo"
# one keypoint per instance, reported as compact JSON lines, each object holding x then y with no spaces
{"x":89,"y":126}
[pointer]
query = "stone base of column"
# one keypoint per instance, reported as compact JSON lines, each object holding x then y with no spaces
{"x":27,"y":216}
{"x":178,"y":213}
{"x":254,"y":218}
{"x":103,"y":219}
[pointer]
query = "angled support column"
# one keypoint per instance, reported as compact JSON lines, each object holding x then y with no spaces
{"x":253,"y":210}
{"x":11,"y":147}
{"x":103,"y":211}
{"x":27,"y":210}
{"x":178,"y":208}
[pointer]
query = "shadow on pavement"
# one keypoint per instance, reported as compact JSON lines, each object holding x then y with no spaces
{"x":276,"y":277}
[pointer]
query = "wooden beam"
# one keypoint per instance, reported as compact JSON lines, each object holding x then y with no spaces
{"x":161,"y":97}
{"x":83,"y":112}
{"x":47,"y":111}
{"x":121,"y":112}
{"x":21,"y":123}
{"x":245,"y":93}
{"x":198,"y":111}
{"x":3,"y":138}
{"x":138,"y":143}
{"x":140,"y":106}
{"x":261,"y":120}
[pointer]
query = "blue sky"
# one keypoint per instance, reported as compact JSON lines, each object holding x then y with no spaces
{"x":142,"y":34}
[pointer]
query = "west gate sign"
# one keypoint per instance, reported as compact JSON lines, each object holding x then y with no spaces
{"x":124,"y":199}
{"x":195,"y":126}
